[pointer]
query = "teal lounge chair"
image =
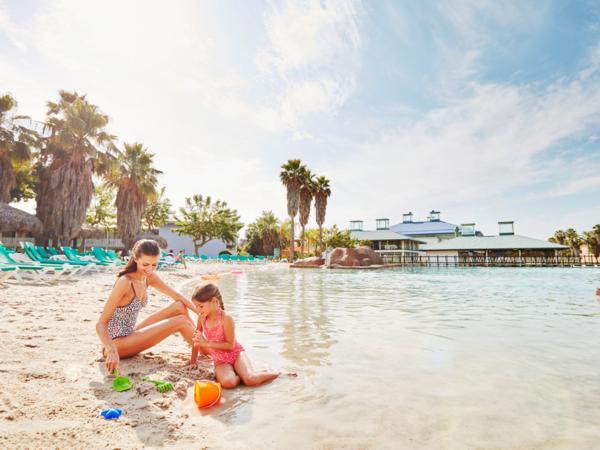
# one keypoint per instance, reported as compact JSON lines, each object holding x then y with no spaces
{"x":71,"y":268}
{"x":8,"y":272}
{"x":102,"y":256}
{"x":36,"y":271}
{"x":73,"y":257}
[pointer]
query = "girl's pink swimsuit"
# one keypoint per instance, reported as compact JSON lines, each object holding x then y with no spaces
{"x":217,"y":334}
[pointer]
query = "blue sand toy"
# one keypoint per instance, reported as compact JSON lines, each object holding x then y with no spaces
{"x":111,"y":413}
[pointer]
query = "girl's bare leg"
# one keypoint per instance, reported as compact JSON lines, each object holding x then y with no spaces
{"x":173,"y":310}
{"x":151,"y":335}
{"x":225,"y":375}
{"x":249,"y":376}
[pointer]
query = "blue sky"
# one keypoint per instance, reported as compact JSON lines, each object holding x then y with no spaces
{"x":485,"y":110}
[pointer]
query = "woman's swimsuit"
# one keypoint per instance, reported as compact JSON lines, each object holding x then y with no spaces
{"x":122,"y":322}
{"x":217,"y":334}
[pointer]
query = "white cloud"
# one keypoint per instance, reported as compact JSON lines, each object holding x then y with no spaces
{"x":495,"y":140}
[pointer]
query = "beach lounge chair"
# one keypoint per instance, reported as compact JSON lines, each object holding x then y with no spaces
{"x":70,"y":267}
{"x":73,"y":257}
{"x":53,"y":251}
{"x":42,"y":251}
{"x":113,"y":255}
{"x":36,"y":272}
{"x":8,"y":272}
{"x":102,"y":256}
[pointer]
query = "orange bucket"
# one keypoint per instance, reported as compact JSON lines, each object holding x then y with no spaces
{"x":207,"y":393}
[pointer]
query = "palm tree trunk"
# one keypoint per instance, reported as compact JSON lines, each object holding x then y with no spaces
{"x":321,"y":238}
{"x":302,"y":242}
{"x":292,"y":240}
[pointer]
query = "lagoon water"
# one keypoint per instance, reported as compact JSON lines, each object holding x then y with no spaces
{"x":423,"y":357}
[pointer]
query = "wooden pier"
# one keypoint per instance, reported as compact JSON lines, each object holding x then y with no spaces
{"x":489,"y":261}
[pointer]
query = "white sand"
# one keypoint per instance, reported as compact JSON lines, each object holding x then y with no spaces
{"x":55,"y":385}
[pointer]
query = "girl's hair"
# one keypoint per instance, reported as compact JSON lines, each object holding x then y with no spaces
{"x":146,"y":247}
{"x":206,"y":292}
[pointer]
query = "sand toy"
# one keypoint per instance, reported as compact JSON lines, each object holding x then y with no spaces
{"x":161,"y":386}
{"x":207,"y":393}
{"x":211,"y":276}
{"x":111,"y":413}
{"x":121,"y":384}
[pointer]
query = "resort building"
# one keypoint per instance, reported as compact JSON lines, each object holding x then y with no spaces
{"x":506,"y":244}
{"x":387,"y":243}
{"x":185,"y":243}
{"x":431,"y":231}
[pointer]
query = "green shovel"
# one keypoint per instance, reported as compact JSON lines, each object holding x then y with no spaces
{"x":161,"y":386}
{"x":121,"y":384}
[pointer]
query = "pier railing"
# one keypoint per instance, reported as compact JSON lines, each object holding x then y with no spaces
{"x":489,"y":261}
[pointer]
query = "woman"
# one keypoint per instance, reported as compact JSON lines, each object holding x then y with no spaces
{"x":117,"y":329}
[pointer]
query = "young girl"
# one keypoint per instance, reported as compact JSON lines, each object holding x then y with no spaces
{"x":215,"y":335}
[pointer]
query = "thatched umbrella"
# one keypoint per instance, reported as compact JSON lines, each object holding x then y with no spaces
{"x":18,"y":221}
{"x":161,"y":241}
{"x":88,"y":232}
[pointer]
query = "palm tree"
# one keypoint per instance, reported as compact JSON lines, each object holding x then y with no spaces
{"x":263,"y":234}
{"x":75,"y":147}
{"x":291,"y":176}
{"x":306,"y":196}
{"x":322,"y":192}
{"x":573,"y":240}
{"x":135,"y":179}
{"x":15,"y":147}
{"x":559,"y":237}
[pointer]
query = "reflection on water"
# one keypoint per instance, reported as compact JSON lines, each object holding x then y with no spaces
{"x":429,"y":357}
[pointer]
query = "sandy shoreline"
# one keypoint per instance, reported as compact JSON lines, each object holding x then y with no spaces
{"x":56,"y":385}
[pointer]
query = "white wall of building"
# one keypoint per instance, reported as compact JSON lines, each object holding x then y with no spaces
{"x":185,"y":243}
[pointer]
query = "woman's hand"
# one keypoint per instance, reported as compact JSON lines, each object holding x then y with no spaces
{"x":112,"y":361}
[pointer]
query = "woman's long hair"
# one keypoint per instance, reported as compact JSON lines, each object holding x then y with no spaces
{"x":146,"y":247}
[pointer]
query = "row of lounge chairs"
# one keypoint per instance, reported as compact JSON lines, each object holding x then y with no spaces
{"x":233,"y":259}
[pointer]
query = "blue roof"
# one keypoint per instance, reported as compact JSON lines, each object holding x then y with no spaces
{"x":429,"y":227}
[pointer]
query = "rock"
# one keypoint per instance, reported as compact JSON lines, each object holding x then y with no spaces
{"x":313,"y":261}
{"x":362,"y":256}
{"x":370,"y":254}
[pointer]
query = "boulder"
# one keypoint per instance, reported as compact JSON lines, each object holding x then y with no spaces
{"x":366,"y":252}
{"x":313,"y":261}
{"x":362,"y":256}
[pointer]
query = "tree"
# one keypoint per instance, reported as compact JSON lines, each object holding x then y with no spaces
{"x":158,"y":212}
{"x":573,"y":240}
{"x":263,"y":235}
{"x":592,"y":240}
{"x":559,"y":237}
{"x":134,"y":176}
{"x":322,"y":193}
{"x":102,"y":212}
{"x":335,"y":238}
{"x":16,"y":141}
{"x":306,"y":196}
{"x":312,"y":240}
{"x":204,"y":221}
{"x":76,"y":146}
{"x":291,"y":176}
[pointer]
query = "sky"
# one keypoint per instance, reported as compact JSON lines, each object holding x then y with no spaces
{"x":484,"y":110}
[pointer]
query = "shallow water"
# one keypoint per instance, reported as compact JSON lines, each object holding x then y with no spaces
{"x":427,"y":357}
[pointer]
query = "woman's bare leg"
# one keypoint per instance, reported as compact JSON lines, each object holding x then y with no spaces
{"x":250,"y":377}
{"x":151,"y":335}
{"x":173,"y":310}
{"x":225,"y":375}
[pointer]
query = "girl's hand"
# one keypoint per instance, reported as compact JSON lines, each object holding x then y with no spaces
{"x":112,"y":361}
